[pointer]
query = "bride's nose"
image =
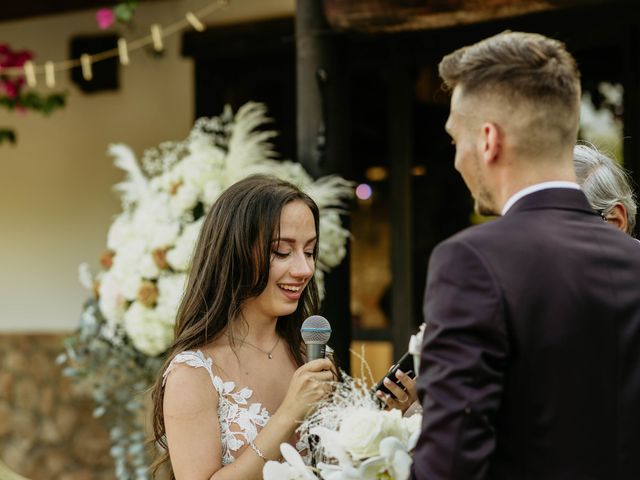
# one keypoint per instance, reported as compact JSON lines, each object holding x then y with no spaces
{"x":303,"y":266}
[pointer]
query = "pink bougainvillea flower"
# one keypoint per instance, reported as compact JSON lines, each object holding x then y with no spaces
{"x":105,"y":18}
{"x":9,"y":58}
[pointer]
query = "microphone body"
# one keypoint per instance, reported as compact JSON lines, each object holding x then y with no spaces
{"x":315,"y":351}
{"x":315,"y":332}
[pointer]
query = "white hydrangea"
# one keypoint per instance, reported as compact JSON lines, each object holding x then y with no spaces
{"x":121,"y":231}
{"x":179,"y":257}
{"x":111,"y":300}
{"x":170,"y":291}
{"x":148,"y":329}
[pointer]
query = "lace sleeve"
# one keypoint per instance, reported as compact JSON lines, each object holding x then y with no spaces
{"x":193,"y":359}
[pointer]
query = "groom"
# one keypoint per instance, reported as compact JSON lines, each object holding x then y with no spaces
{"x":531,"y":360}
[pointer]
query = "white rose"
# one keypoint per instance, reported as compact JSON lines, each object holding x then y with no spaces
{"x":411,"y":425}
{"x":392,"y":424}
{"x":361,"y":432}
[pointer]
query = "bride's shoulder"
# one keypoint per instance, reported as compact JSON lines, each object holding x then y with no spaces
{"x":188,"y":384}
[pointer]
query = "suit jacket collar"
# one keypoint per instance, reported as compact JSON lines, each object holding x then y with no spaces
{"x":557,"y":198}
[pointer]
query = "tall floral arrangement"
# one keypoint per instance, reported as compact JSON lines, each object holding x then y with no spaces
{"x":128,"y":322}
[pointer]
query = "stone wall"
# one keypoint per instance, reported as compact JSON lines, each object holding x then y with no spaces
{"x":46,"y":427}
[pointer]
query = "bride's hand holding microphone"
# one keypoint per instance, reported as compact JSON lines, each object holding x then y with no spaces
{"x":312,"y":381}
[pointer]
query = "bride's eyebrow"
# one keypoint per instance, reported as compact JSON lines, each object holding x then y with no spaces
{"x":292,"y":240}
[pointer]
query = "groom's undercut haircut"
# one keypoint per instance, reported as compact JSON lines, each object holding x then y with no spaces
{"x":533,"y":76}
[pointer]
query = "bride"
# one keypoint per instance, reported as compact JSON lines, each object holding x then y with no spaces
{"x":235,"y":384}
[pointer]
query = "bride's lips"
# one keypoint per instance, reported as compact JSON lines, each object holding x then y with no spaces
{"x":291,"y":291}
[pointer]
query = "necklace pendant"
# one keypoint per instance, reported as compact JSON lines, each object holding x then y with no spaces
{"x":269,"y":355}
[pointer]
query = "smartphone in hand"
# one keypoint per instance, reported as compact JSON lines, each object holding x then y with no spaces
{"x":405,"y":364}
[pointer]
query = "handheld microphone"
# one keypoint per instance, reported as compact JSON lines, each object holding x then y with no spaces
{"x":316,"y":332}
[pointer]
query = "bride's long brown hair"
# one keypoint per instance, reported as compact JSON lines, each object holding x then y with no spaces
{"x":230,"y":265}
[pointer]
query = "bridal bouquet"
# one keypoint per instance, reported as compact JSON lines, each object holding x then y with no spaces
{"x":128,"y":322}
{"x":355,"y":439}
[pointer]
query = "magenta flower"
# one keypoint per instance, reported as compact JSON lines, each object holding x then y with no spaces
{"x":11,"y":86}
{"x":105,"y":18}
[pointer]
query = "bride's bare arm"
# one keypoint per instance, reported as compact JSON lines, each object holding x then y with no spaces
{"x":193,"y":429}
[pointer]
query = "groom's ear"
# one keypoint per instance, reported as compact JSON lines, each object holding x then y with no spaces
{"x":492,"y":139}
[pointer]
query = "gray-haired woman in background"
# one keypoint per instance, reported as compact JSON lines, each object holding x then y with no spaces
{"x":607,"y":186}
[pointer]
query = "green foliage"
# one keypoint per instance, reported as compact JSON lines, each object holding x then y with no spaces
{"x":104,"y":360}
{"x":34,"y":101}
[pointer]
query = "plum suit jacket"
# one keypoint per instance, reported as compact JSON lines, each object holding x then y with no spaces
{"x":530,"y":365}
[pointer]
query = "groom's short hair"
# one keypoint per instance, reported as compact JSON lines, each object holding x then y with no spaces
{"x":525,"y":74}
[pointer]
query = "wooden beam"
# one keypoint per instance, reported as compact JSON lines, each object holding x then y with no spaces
{"x":373,"y":16}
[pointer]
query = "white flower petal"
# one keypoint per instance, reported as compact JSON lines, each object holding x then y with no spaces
{"x":401,"y":465}
{"x":278,"y":471}
{"x":330,"y":441}
{"x":389,"y":446}
{"x":370,"y":468}
{"x":292,"y":457}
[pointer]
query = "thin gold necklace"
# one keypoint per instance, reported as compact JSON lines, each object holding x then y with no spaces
{"x":269,"y":353}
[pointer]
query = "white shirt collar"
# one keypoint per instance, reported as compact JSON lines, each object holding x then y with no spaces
{"x":536,"y":188}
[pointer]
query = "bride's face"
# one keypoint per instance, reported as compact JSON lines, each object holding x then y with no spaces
{"x":292,"y":264}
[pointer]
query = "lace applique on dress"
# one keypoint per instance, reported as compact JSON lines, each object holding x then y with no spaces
{"x":239,"y":419}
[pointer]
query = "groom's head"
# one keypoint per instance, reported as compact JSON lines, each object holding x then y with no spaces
{"x":514,"y":111}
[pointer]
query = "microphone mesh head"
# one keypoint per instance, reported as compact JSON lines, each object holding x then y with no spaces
{"x":315,"y":330}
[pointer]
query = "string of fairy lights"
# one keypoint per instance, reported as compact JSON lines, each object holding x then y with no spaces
{"x":156,"y":36}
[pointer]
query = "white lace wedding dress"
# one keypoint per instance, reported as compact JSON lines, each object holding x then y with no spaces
{"x":240,"y":420}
